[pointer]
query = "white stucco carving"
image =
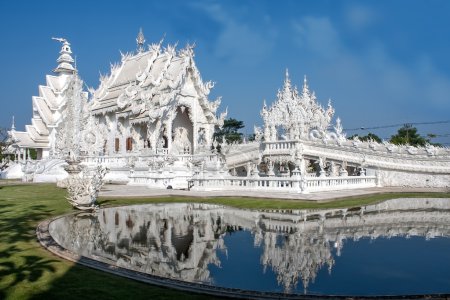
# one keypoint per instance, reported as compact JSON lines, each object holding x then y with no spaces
{"x":83,"y":189}
{"x":153,"y":108}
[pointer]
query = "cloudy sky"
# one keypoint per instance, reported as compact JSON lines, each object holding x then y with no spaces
{"x":381,"y":62}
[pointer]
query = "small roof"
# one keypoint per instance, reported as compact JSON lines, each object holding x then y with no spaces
{"x":35,"y":136}
{"x":25,"y":141}
{"x":55,"y":82}
{"x":47,"y":93}
{"x":43,"y":109}
{"x":39,"y":126}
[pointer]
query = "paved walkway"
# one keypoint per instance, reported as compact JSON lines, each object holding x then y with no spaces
{"x":117,"y":190}
{"x":111,"y":190}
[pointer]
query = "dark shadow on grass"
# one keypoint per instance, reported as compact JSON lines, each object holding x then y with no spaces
{"x":78,"y":282}
{"x":20,"y":228}
{"x":84,"y":283}
{"x":104,"y":202}
{"x":17,"y":228}
{"x":23,"y":265}
{"x":30,"y":269}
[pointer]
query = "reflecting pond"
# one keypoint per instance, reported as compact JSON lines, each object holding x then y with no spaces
{"x":397,"y":247}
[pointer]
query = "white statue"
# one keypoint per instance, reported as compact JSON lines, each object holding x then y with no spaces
{"x":83,"y":189}
{"x":181,"y":143}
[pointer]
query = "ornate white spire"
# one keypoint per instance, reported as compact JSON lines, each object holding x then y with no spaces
{"x":287,"y":80}
{"x":13,"y":125}
{"x":305,"y":83}
{"x":305,"y":89}
{"x":65,"y":59}
{"x":140,"y":40}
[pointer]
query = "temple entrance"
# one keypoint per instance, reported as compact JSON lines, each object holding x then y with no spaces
{"x":182,"y":132}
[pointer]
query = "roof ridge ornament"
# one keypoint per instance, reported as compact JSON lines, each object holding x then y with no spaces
{"x":287,"y":79}
{"x":140,"y":40}
{"x":305,"y":89}
{"x":65,"y":59}
{"x":287,"y":87}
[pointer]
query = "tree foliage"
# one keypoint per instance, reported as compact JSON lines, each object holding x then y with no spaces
{"x":369,"y":137}
{"x":4,"y":144}
{"x":408,"y":135}
{"x":230,"y":131}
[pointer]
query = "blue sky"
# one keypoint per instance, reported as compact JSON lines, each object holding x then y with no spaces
{"x":381,"y":62}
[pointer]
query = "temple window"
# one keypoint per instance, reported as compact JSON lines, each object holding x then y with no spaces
{"x":129,"y":144}
{"x":116,"y":145}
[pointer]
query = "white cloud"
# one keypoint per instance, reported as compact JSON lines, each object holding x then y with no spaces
{"x":370,"y":86}
{"x":238,"y":41}
{"x":359,"y":17}
{"x":318,"y":35}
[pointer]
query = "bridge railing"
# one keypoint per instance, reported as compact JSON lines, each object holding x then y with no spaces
{"x":279,"y":184}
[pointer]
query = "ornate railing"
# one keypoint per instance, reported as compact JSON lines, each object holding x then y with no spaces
{"x":278,"y":184}
{"x":374,"y":155}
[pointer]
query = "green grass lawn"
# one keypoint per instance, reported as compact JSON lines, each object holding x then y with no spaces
{"x":27,"y":271}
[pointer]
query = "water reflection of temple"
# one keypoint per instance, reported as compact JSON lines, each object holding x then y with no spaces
{"x":181,"y":240}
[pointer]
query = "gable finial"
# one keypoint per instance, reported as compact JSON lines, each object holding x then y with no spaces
{"x":65,"y":60}
{"x":140,"y":40}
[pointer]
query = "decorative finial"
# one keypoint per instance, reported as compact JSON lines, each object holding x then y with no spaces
{"x":65,"y":59}
{"x":287,"y":81}
{"x":62,"y":40}
{"x":13,"y":125}
{"x":140,"y":40}
{"x":305,"y":86}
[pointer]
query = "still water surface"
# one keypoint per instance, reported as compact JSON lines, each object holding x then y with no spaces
{"x":396,"y":247}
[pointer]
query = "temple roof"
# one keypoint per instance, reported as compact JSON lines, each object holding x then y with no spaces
{"x":39,"y":126}
{"x":50,"y":98}
{"x":48,"y":106}
{"x":24,"y":140}
{"x":44,"y":110}
{"x":56,"y":83}
{"x":292,"y":108}
{"x":35,"y":136}
{"x":65,"y":59}
{"x":152,"y":73}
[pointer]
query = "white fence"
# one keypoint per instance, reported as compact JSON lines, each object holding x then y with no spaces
{"x":277,"y":184}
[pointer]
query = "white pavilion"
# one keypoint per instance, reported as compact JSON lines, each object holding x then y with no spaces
{"x":151,"y":123}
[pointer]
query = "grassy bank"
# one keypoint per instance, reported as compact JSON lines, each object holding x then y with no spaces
{"x":28,"y":271}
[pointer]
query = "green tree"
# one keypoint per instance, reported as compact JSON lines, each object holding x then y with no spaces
{"x":408,"y":135}
{"x":33,"y":153}
{"x":251,"y":137}
{"x":368,"y":137}
{"x":5,"y":142}
{"x":230,"y":131}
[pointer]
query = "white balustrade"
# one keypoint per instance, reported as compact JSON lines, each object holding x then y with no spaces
{"x":307,"y":184}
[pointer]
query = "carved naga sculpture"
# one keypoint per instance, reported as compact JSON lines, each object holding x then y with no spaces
{"x":83,"y":189}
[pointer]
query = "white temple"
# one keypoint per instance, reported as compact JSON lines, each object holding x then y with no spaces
{"x":48,"y":108}
{"x":151,"y":123}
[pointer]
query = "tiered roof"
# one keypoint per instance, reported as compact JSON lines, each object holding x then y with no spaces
{"x":48,"y":105}
{"x":151,"y":78}
{"x":294,"y":109}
